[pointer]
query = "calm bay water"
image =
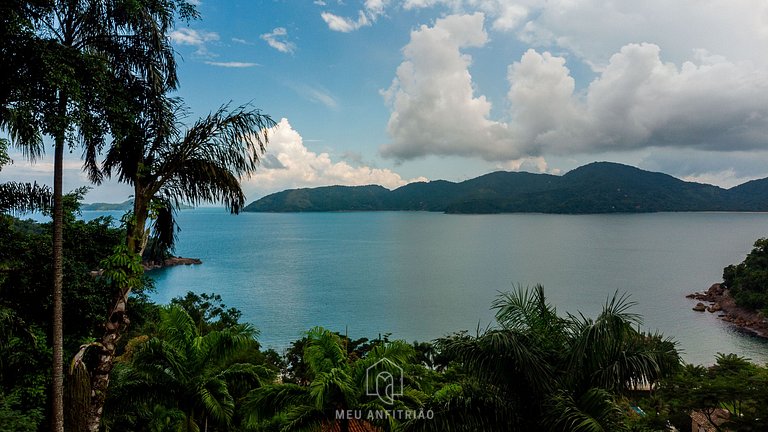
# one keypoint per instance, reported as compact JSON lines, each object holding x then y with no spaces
{"x":422,"y":275}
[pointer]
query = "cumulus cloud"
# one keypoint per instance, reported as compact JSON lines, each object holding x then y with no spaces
{"x":196,"y":38}
{"x":530,"y":164}
{"x":290,"y":164}
{"x":636,"y":101}
{"x":371,"y":11}
{"x":736,"y":29}
{"x":343,"y":24}
{"x":434,"y":109}
{"x":506,"y":15}
{"x":277,"y":39}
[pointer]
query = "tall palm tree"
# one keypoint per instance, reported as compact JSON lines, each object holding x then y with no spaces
{"x":558,"y":373}
{"x":85,"y":47}
{"x":337,"y":384}
{"x":183,"y":371}
{"x":168,"y":167}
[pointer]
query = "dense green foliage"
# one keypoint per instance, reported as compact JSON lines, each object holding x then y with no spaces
{"x":748,"y":281}
{"x":732,"y":383}
{"x":25,"y":301}
{"x":599,"y":187}
{"x":539,"y":371}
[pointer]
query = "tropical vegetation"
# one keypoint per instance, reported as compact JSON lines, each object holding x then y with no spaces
{"x":192,"y":365}
{"x":747,"y":281}
{"x":98,"y":76}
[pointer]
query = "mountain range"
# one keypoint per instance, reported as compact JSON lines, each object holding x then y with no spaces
{"x":599,"y":187}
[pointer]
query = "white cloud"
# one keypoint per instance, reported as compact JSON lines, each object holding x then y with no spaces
{"x":594,"y":30}
{"x":196,"y":38}
{"x":375,"y":8}
{"x":232,"y":64}
{"x":736,"y":29}
{"x":509,"y":16}
{"x":290,"y":164}
{"x":505,"y":14}
{"x":343,"y":24}
{"x":434,"y":109}
{"x":530,"y":164}
{"x":636,"y":101}
{"x":277,"y":40}
{"x":372,"y":10}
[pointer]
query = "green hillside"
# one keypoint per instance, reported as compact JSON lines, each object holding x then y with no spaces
{"x":599,"y":187}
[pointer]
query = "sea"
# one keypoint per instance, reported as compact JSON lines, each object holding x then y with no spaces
{"x":418,"y":276}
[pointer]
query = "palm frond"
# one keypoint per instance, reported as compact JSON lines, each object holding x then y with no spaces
{"x":323,"y":351}
{"x":523,"y":308}
{"x":468,"y":406}
{"x":218,"y":347}
{"x":267,"y":401}
{"x":176,"y":326}
{"x":245,"y":376}
{"x":609,"y":353}
{"x":332,"y":387}
{"x":503,"y":357}
{"x":216,"y":400}
{"x":25,"y":197}
{"x":595,"y":411}
{"x":23,"y":131}
{"x":164,"y":227}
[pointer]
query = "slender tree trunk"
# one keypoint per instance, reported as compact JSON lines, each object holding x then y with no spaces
{"x":116,"y":323}
{"x":57,"y":393}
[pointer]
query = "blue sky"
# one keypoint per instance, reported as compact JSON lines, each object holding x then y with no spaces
{"x":387,"y":92}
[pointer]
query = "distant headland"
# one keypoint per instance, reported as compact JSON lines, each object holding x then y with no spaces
{"x":599,"y":187}
{"x":123,"y":206}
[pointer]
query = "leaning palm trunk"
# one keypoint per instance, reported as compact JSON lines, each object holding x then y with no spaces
{"x":118,"y":320}
{"x":204,"y":165}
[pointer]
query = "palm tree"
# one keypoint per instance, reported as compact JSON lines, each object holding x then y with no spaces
{"x":561,"y":373}
{"x":185,"y":375}
{"x":337,"y":384}
{"x":167,"y":168}
{"x":85,"y":48}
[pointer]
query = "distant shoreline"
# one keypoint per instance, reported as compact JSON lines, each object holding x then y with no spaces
{"x":721,"y":302}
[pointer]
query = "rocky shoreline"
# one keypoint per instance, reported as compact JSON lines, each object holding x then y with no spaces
{"x":172,"y":261}
{"x":721,"y":302}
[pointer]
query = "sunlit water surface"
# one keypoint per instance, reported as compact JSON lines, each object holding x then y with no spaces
{"x":423,"y":275}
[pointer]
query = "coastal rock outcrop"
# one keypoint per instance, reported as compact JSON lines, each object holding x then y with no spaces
{"x":169,"y":262}
{"x":720,"y":300}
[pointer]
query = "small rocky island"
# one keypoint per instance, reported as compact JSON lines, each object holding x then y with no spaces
{"x":721,"y":302}
{"x":170,"y":262}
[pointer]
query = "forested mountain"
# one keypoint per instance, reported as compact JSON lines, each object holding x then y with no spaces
{"x":599,"y":187}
